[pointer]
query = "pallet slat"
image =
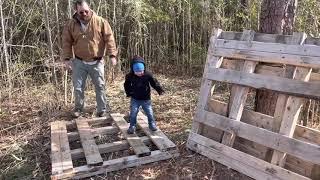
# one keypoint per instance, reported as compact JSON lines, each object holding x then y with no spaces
{"x":60,"y":151}
{"x":303,"y":150}
{"x":207,"y":85}
{"x":107,"y":148}
{"x":118,"y":164}
{"x":257,"y":81}
{"x":239,"y":94}
{"x":305,"y":56}
{"x":89,"y":148}
{"x":89,"y":145}
{"x":157,"y":137}
{"x":242,"y":162}
{"x":74,"y":136}
{"x":135,"y":142}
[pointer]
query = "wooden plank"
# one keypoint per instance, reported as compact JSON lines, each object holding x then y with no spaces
{"x":212,"y":133}
{"x":292,"y":108}
{"x":264,"y":69}
{"x":299,"y":166}
{"x":108,"y":148}
{"x":305,"y":56}
{"x":264,"y":121}
{"x":56,"y":148}
{"x":250,"y":117}
{"x":303,"y":61}
{"x":206,"y":85}
{"x":257,"y":81}
{"x":239,"y":93}
{"x":297,"y":38}
{"x":292,"y":48}
{"x":135,"y":142}
{"x":157,"y":137}
{"x":117,"y":164}
{"x":60,"y":149}
{"x":303,"y":150}
{"x":244,"y":163}
{"x":313,"y":40}
{"x":109,"y":130}
{"x":89,"y":145}
{"x":91,"y":121}
{"x":307,"y":134}
{"x":249,"y":147}
{"x":262,"y":37}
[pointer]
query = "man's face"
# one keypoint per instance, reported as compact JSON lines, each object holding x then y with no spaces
{"x":83,"y":11}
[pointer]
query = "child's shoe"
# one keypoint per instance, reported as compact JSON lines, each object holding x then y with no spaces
{"x":131,"y":130}
{"x":153,"y":127}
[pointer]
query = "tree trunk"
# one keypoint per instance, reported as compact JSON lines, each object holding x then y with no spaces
{"x":277,"y":17}
{"x":5,"y":50}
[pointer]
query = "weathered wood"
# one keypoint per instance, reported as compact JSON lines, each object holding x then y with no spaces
{"x":60,"y":151}
{"x":257,"y":81}
{"x":157,"y":137}
{"x":264,"y":121}
{"x":135,"y":142}
{"x":249,"y":147}
{"x":303,"y":150}
{"x":239,"y":93}
{"x":281,"y":105}
{"x":88,"y":143}
{"x":93,"y":121}
{"x":251,"y":117}
{"x":107,"y":148}
{"x":299,"y":166}
{"x":305,"y":56}
{"x":307,"y":134}
{"x":244,"y":163}
{"x":74,"y":136}
{"x":56,"y":148}
{"x":262,"y":37}
{"x":248,"y":116}
{"x":312,"y":40}
{"x":117,"y":164}
{"x":263,"y":69}
{"x":206,"y":85}
{"x":293,"y":106}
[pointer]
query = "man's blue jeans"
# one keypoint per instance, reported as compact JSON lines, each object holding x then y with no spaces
{"x":134,"y":109}
{"x":80,"y":72}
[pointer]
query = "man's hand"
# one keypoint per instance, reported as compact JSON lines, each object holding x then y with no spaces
{"x":67,"y":65}
{"x":113,"y":61}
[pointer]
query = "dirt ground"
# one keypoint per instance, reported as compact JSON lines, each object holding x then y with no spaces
{"x":25,"y":132}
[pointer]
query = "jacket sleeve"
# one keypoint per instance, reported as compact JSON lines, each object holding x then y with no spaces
{"x":128,"y":86}
{"x":67,"y":41}
{"x":109,"y":40}
{"x":156,"y":85}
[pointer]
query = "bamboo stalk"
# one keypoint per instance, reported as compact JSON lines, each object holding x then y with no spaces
{"x":5,"y":50}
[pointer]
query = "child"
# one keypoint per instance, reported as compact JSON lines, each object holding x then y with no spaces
{"x":137,"y":86}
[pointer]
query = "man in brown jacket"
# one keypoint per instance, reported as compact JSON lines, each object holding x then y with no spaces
{"x":85,"y":40}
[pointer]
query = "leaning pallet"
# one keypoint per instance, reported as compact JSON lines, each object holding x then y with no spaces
{"x":64,"y":158}
{"x":258,"y":145}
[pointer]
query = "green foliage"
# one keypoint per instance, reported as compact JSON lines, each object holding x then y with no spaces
{"x":307,"y":20}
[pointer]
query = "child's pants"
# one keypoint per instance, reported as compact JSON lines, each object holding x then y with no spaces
{"x":134,"y":109}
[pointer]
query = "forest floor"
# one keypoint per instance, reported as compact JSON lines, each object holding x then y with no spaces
{"x":25,"y":132}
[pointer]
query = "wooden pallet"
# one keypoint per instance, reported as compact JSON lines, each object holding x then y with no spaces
{"x":258,"y":145}
{"x":62,"y":157}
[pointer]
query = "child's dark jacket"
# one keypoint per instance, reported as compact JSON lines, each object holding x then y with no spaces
{"x":139,"y":87}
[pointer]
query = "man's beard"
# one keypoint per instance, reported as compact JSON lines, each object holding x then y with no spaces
{"x":84,"y":18}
